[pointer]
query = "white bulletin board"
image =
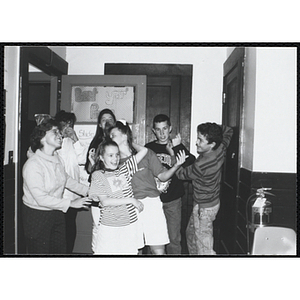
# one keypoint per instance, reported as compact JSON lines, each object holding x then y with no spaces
{"x":88,"y":101}
{"x":87,"y":95}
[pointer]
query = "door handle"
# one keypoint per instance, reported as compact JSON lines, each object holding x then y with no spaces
{"x":232,"y":155}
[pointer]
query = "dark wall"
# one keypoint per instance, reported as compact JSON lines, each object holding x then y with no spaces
{"x":9,"y":209}
{"x":284,"y":204}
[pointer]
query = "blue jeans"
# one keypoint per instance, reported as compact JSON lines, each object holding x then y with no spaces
{"x":172,"y":212}
{"x":199,"y":232}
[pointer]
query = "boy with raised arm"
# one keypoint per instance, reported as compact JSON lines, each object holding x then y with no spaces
{"x":171,"y":191}
{"x":205,"y":173}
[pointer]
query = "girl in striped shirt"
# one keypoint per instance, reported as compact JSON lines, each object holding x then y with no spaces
{"x":117,"y":231}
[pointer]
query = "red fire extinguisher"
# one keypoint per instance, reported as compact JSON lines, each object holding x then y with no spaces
{"x":260,"y":209}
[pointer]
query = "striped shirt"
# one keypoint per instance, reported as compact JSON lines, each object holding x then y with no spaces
{"x":205,"y":173}
{"x":115,"y":184}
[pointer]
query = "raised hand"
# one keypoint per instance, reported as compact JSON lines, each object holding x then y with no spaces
{"x":92,"y":157}
{"x":181,"y":157}
{"x":169,"y":147}
{"x":177,"y":140}
{"x":70,"y":133}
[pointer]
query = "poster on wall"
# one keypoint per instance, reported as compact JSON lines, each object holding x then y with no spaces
{"x":85,"y":133}
{"x":88,"y":101}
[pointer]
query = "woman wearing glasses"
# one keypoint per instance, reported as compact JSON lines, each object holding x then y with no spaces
{"x":44,"y":180}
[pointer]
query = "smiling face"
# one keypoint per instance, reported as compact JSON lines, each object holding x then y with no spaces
{"x":202,"y":144}
{"x":162,"y":132}
{"x":53,"y":138}
{"x":111,"y":157}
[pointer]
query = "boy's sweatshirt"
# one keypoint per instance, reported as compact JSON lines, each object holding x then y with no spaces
{"x":205,"y":173}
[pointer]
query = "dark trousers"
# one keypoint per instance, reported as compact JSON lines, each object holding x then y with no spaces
{"x":45,"y":231}
{"x":172,"y":212}
{"x":70,"y":217}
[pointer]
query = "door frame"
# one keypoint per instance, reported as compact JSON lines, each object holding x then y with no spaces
{"x":185,"y":74}
{"x":236,"y":59}
{"x":185,"y":71}
{"x":52,"y":64}
{"x":234,"y":62}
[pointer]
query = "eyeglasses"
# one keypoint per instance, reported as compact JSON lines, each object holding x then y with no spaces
{"x":55,"y":131}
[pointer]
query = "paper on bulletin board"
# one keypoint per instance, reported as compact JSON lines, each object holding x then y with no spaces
{"x":88,"y":101}
{"x":85,"y":133}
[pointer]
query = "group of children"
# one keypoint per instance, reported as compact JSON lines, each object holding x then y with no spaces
{"x":122,"y":227}
{"x":125,"y":223}
{"x":137,"y":190}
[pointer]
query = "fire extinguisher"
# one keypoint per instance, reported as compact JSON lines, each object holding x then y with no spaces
{"x":260,"y":209}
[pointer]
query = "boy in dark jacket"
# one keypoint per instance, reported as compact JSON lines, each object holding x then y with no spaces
{"x":172,"y":190}
{"x":205,"y":173}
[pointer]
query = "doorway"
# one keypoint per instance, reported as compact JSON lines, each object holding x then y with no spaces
{"x":40,"y":76}
{"x":89,"y":110}
{"x":169,"y":89}
{"x":226,"y":228}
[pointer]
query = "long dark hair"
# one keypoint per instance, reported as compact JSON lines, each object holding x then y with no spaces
{"x":99,"y":164}
{"x":39,"y":132}
{"x":99,"y":135}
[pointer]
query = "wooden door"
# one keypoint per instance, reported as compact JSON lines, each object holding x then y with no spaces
{"x":232,"y":116}
{"x":162,"y":98}
{"x":169,"y":89}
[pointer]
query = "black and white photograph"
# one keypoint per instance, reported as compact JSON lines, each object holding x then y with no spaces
{"x":150,"y":150}
{"x":149,"y":153}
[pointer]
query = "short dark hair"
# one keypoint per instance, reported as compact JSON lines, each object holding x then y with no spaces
{"x":161,"y":118}
{"x":63,"y":116}
{"x":39,"y":132}
{"x":212,"y":132}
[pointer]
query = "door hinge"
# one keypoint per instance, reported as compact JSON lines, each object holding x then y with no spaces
{"x":224,"y":98}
